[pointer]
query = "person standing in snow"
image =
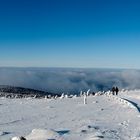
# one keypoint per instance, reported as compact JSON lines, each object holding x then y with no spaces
{"x":116,"y":90}
{"x":113,"y":90}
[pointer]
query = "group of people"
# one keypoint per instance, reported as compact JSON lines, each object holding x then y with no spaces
{"x":115,"y":90}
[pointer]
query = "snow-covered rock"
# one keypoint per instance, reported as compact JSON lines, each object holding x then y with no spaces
{"x":18,"y":138}
{"x":43,"y":134}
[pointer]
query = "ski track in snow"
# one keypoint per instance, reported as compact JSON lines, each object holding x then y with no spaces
{"x":102,"y":118}
{"x":8,"y":123}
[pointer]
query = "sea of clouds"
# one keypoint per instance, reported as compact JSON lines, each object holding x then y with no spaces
{"x":70,"y":80}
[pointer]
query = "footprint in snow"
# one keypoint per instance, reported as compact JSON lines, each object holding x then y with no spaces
{"x":124,"y":124}
{"x":88,"y":128}
{"x":96,"y":136}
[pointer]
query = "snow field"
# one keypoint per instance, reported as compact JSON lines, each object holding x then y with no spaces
{"x":102,"y":118}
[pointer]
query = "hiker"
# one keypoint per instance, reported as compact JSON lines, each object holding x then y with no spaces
{"x":113,"y":90}
{"x":116,"y":90}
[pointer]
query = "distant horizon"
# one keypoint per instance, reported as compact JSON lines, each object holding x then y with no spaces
{"x":112,"y":68}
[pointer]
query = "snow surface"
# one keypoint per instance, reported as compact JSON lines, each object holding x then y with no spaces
{"x":104,"y":117}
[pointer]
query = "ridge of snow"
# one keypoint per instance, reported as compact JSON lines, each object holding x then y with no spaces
{"x":122,"y":101}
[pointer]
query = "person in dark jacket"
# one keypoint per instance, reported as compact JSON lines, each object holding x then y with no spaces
{"x":116,"y":90}
{"x":113,"y":90}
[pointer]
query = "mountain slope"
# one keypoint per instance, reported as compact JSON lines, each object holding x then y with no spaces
{"x":11,"y":91}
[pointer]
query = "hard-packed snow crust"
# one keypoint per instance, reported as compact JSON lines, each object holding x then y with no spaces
{"x":104,"y":116}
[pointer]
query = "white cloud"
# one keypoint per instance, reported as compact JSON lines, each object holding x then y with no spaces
{"x":69,"y":80}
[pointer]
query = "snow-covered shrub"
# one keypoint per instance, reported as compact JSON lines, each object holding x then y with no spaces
{"x":62,"y":96}
{"x":85,"y":98}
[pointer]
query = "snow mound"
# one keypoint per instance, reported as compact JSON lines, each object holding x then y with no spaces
{"x":1,"y":133}
{"x":18,"y":138}
{"x":43,"y":134}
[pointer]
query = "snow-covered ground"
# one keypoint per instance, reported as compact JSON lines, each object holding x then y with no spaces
{"x":102,"y":118}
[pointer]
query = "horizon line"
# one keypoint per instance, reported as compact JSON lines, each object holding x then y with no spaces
{"x":60,"y":67}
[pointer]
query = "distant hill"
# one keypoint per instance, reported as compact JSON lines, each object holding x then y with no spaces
{"x":19,"y":92}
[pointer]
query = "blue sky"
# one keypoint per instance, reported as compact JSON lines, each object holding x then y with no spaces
{"x":70,"y":33}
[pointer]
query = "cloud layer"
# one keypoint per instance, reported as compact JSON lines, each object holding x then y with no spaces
{"x":60,"y":80}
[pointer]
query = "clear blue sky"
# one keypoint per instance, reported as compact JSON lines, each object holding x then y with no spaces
{"x":70,"y":33}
